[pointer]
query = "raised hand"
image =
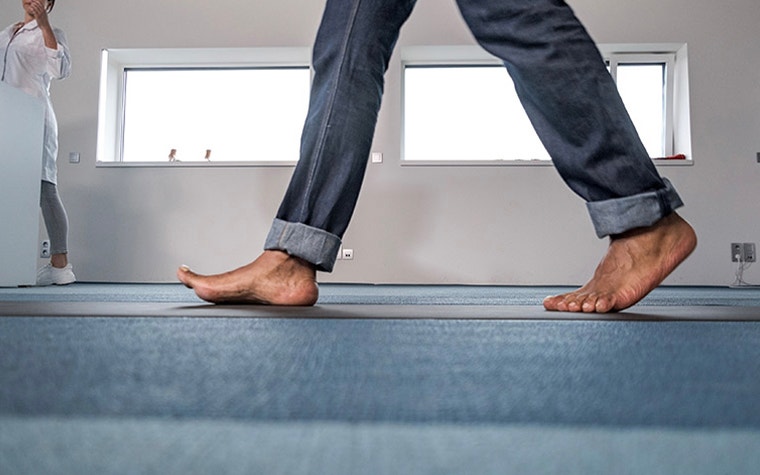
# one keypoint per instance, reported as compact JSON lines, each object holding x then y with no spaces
{"x":37,"y":9}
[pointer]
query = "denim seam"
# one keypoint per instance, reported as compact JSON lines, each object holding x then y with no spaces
{"x":665,"y":205}
{"x":333,"y":90}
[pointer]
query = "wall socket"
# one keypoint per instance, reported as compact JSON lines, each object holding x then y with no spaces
{"x":45,"y":249}
{"x":749,"y":252}
{"x":743,"y":252}
{"x":346,"y":254}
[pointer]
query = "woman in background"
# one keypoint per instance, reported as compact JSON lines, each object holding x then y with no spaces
{"x":33,"y":53}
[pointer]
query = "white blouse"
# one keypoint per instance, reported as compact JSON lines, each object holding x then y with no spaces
{"x":26,"y":63}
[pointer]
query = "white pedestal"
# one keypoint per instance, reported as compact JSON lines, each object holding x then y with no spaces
{"x":21,"y":143}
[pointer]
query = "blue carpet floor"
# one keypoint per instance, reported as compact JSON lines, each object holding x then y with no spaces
{"x":383,"y":294}
{"x":377,"y":396}
{"x":105,"y":446}
{"x":630,"y":374}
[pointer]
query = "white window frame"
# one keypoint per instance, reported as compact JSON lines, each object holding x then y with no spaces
{"x":668,"y":60}
{"x":114,"y":63}
{"x":677,"y":123}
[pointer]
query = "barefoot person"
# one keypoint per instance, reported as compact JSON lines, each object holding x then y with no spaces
{"x":33,"y":53}
{"x":571,"y":100}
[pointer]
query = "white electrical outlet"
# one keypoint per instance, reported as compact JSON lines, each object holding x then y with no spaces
{"x":348,"y":254}
{"x":743,"y":252}
{"x":749,"y":252}
{"x":45,"y":249}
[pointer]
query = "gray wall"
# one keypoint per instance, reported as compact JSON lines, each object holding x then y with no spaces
{"x":505,"y":225}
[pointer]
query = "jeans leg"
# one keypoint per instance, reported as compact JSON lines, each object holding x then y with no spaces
{"x":351,"y":53}
{"x":575,"y":108}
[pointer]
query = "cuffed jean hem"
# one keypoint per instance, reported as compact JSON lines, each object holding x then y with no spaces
{"x":311,"y":244}
{"x":623,"y":214}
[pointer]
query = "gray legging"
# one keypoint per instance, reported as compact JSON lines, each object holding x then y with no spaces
{"x":56,"y":220}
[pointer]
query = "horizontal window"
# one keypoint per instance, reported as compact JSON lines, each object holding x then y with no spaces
{"x":227,"y":115}
{"x":465,"y":113}
{"x":203,"y":106}
{"x":460,"y":106}
{"x":236,"y":106}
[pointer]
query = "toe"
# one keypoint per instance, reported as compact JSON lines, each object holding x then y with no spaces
{"x":589,"y":303}
{"x":550,"y":302}
{"x":568,"y":303}
{"x":574,"y":306}
{"x":604,"y":304}
{"x":185,"y":275}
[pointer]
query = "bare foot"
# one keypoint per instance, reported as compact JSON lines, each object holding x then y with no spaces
{"x":636,"y":262}
{"x":275,"y":278}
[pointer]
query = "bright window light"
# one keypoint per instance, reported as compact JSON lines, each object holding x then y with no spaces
{"x":247,"y":106}
{"x":444,"y":121}
{"x":461,"y":107}
{"x":642,"y":88}
{"x":214,"y":114}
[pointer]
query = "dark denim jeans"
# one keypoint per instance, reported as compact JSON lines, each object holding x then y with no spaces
{"x":560,"y":78}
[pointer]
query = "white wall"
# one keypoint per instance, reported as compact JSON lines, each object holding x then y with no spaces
{"x":507,"y":225}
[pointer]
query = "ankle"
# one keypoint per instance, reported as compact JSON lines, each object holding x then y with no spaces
{"x":291,"y":264}
{"x":59,"y":261}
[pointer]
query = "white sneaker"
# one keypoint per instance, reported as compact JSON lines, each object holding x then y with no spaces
{"x":49,"y":275}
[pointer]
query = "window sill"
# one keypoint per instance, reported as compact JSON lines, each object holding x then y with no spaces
{"x":518,"y":163}
{"x":193,"y":164}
